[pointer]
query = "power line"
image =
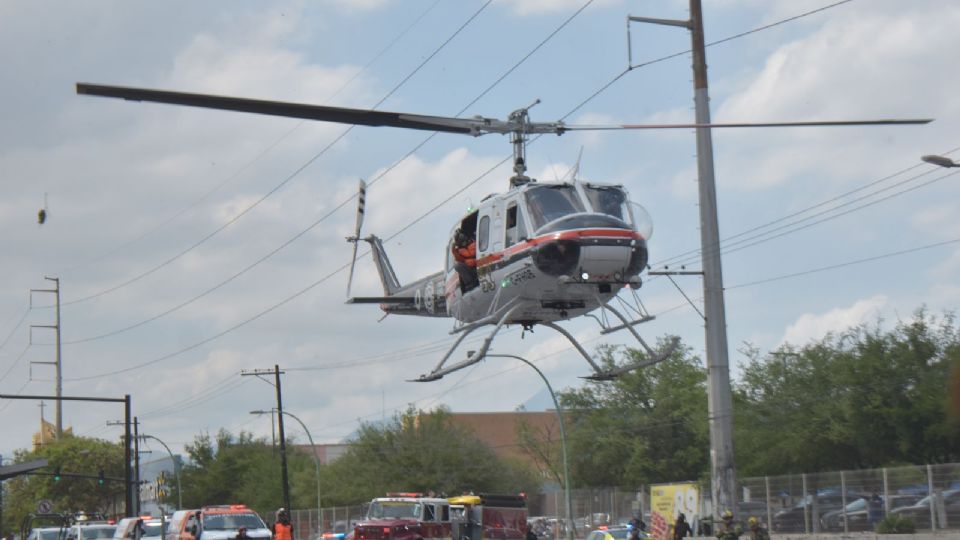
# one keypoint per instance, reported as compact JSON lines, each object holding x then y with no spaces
{"x":796,"y":227}
{"x":344,"y":266}
{"x":848,"y":263}
{"x":289,"y":177}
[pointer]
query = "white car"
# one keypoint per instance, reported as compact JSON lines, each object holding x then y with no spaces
{"x":91,"y":531}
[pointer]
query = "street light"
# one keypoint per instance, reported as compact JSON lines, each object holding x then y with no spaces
{"x":563,"y":438}
{"x":176,"y":468}
{"x":942,"y":161}
{"x":313,"y":452}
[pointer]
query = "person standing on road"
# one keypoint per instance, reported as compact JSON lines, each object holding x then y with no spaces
{"x":681,"y":528}
{"x":242,"y":534}
{"x":282,"y":529}
{"x":727,"y":529}
{"x":756,"y":531}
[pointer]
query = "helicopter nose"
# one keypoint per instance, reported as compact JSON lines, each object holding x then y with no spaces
{"x":617,"y":262}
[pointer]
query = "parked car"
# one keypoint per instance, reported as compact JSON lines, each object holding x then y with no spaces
{"x":794,"y":518}
{"x":136,"y":528}
{"x":857,"y":513}
{"x":920,"y":512}
{"x":91,"y":531}
{"x":47,"y":533}
{"x":612,"y":533}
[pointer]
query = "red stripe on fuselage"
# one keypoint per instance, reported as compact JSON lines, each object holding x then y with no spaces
{"x":565,"y":235}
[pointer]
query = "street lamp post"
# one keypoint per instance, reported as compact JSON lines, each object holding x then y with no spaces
{"x":313,"y":452}
{"x":563,"y":439}
{"x":176,"y":468}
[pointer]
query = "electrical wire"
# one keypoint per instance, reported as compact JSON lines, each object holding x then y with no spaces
{"x":796,"y":226}
{"x":350,"y":198}
{"x":343,"y":267}
{"x":259,"y":155}
{"x":14,"y":363}
{"x":286,"y":180}
{"x":845,"y":264}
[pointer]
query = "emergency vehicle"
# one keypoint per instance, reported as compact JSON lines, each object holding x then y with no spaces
{"x":219,"y":522}
{"x":414,"y":516}
{"x":488,"y":517}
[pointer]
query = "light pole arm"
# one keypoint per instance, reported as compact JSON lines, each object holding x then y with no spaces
{"x":316,"y":463}
{"x":176,"y":467}
{"x":563,"y":439}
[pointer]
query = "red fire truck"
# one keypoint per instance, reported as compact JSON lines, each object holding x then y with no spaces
{"x":413,"y":516}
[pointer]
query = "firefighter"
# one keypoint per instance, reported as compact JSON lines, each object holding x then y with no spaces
{"x":728,"y":530}
{"x":756,"y":531}
{"x":465,"y":255}
{"x":282,"y":529}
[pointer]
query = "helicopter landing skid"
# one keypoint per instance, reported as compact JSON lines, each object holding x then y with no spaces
{"x":599,"y":374}
{"x":474,"y":357}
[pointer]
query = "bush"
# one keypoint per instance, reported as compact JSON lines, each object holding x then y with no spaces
{"x":894,"y":524}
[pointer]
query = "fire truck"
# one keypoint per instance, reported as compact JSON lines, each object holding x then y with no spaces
{"x":488,"y":517}
{"x":414,"y":516}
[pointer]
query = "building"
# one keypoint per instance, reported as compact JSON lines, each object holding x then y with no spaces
{"x":498,"y":430}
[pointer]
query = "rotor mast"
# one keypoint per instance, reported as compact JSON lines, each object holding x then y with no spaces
{"x":519,"y":120}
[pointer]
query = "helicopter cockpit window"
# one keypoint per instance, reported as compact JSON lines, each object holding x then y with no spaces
{"x":610,"y":200}
{"x":516,"y":230}
{"x":484,"y":237}
{"x":548,"y":203}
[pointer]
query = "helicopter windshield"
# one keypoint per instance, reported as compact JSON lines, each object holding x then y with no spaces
{"x":610,"y":200}
{"x":551,"y":202}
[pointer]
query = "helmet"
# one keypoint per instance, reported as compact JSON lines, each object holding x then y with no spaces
{"x":727,"y":514}
{"x":753,"y":521}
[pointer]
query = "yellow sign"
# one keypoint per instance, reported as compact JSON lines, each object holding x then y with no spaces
{"x":667,"y":501}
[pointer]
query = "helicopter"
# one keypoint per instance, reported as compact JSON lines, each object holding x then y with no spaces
{"x":545,"y":252}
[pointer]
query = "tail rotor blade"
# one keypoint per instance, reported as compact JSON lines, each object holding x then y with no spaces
{"x":361,"y":205}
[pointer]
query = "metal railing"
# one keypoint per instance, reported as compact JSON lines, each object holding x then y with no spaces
{"x":829,"y":502}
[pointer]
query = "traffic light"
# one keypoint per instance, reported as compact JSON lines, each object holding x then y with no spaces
{"x":56,"y":474}
{"x":101,"y":480}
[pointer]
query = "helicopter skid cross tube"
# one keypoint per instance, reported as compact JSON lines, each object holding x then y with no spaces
{"x":438,"y":373}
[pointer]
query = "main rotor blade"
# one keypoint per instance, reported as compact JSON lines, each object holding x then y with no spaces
{"x":882,"y":122}
{"x":342,"y":115}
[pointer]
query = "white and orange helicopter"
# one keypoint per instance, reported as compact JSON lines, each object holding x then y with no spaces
{"x":545,"y":252}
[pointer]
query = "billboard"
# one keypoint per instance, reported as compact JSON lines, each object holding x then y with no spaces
{"x":669,"y":500}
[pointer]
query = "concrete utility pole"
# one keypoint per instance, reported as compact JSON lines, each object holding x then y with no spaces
{"x":57,"y":363}
{"x":720,"y":401}
{"x":283,"y":439}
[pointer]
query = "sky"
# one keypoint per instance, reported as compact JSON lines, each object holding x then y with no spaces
{"x":192,"y":244}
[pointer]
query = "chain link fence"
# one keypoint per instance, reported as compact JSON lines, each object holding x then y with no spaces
{"x":830,"y":502}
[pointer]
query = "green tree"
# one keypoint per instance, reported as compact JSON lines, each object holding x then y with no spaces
{"x":240,"y":469}
{"x":646,"y":426}
{"x":420,"y":451}
{"x":73,"y":456}
{"x":862,"y":398}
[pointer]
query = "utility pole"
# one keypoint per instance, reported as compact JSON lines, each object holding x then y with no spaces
{"x":720,"y":400}
{"x":283,"y":438}
{"x":57,"y":363}
{"x":128,"y":510}
{"x":136,"y":462}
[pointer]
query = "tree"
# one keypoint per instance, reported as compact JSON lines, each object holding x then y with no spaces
{"x":862,"y":398}
{"x":72,"y":456}
{"x":241,"y":469}
{"x":646,"y":426}
{"x":420,"y":451}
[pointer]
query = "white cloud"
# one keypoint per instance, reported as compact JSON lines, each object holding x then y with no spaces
{"x":810,"y":327}
{"x":539,"y":7}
